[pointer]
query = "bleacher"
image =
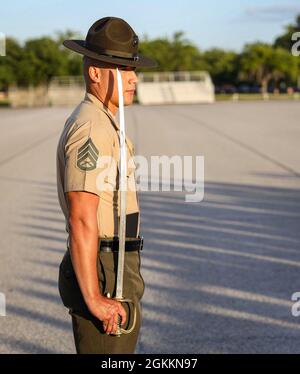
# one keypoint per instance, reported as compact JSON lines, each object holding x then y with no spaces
{"x":175,"y":88}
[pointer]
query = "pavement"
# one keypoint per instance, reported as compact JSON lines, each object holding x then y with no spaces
{"x":219,"y":273}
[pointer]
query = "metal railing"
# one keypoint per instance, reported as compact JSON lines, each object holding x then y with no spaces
{"x":168,"y":76}
{"x":65,"y":81}
{"x":174,"y":76}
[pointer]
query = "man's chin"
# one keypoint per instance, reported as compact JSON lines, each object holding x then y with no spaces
{"x":128,"y":102}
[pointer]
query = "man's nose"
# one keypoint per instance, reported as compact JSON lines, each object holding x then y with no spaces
{"x":133,"y":77}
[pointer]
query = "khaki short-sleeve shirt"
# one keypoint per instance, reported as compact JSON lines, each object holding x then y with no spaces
{"x":88,"y":160}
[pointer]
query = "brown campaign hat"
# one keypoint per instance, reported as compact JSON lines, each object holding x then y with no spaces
{"x":111,"y":40}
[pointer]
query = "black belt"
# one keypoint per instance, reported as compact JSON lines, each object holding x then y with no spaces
{"x":112,"y":245}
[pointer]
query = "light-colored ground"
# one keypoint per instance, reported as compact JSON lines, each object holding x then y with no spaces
{"x":219,"y":274}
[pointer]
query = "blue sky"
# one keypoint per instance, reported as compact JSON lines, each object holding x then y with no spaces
{"x":227,"y":24}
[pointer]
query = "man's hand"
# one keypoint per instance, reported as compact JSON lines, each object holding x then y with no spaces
{"x":107,"y":310}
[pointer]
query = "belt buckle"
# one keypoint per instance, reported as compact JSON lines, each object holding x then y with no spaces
{"x":106,"y":249}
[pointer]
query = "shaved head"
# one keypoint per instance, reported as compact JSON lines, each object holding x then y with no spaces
{"x":87,"y":62}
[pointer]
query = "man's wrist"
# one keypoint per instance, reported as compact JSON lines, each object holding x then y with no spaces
{"x":91,"y":301}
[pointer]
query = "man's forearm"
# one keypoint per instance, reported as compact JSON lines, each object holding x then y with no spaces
{"x":83,"y":249}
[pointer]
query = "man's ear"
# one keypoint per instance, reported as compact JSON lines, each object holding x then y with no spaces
{"x":95,"y":74}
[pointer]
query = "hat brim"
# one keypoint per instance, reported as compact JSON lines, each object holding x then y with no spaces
{"x":79,"y":47}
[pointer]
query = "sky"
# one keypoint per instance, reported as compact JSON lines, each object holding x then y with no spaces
{"x":227,"y":24}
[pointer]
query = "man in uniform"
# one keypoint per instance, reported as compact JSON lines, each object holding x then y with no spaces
{"x":87,"y":180}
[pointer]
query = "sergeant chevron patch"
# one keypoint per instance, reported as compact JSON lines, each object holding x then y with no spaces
{"x":87,"y":156}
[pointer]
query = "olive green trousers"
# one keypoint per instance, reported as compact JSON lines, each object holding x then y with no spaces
{"x":89,"y":335}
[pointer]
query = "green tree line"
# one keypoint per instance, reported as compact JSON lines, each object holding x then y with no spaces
{"x":37,"y":61}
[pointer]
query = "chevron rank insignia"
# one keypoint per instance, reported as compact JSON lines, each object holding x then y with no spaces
{"x":87,"y":156}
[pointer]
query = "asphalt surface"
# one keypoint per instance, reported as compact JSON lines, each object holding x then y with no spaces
{"x":219,"y":274}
